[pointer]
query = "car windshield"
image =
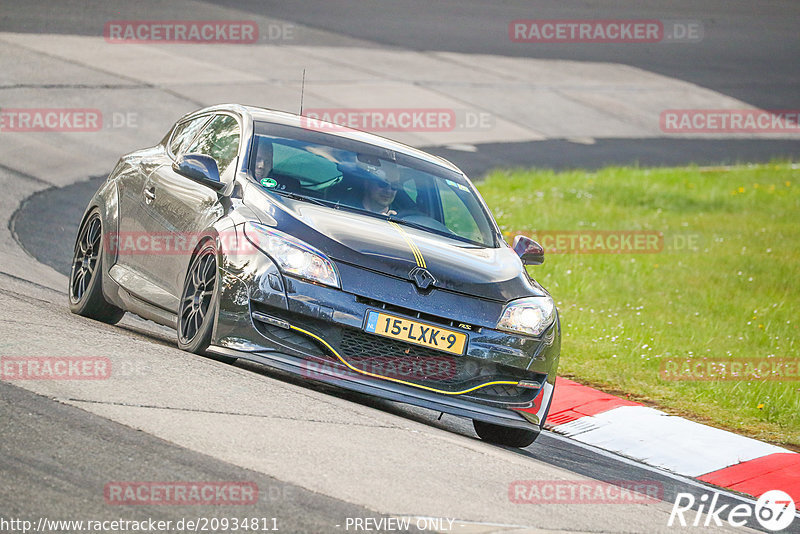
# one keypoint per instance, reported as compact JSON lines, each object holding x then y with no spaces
{"x":343,"y":173}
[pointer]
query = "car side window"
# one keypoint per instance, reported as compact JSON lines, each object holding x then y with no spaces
{"x":220,"y":140}
{"x":184,"y":133}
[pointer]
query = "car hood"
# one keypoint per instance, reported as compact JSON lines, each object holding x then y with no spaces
{"x":381,"y":246}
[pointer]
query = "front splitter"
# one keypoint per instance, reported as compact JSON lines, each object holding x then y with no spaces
{"x":383,"y":389}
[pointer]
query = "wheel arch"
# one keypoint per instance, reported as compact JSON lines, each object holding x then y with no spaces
{"x":211,"y":234}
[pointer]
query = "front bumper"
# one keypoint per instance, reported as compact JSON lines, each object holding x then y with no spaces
{"x":387,"y":390}
{"x":316,"y":332}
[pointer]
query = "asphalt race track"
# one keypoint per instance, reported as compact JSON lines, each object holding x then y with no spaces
{"x":318,"y":456}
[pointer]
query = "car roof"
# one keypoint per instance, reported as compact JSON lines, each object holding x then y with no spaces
{"x":291,"y":119}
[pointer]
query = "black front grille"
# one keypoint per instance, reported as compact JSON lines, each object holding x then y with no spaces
{"x":383,"y":357}
{"x":448,"y":372}
{"x":397,"y":359}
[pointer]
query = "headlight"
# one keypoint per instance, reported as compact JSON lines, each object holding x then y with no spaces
{"x":530,"y":315}
{"x":292,"y":255}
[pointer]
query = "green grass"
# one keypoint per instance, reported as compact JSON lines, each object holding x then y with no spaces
{"x":734,"y":296}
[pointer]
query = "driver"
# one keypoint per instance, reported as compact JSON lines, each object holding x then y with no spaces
{"x":379,"y":192}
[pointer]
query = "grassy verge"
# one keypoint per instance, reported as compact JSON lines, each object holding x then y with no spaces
{"x":722,"y":283}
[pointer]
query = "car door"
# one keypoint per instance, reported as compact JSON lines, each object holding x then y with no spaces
{"x":133,"y":243}
{"x":130,"y":191}
{"x":181,"y":208}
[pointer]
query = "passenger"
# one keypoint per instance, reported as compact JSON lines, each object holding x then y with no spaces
{"x":263,"y":159}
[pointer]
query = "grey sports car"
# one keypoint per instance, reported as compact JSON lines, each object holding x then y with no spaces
{"x":330,"y":253}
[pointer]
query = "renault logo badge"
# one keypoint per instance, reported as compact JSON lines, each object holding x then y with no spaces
{"x":422,"y":278}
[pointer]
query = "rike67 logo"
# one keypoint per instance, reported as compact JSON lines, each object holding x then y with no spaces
{"x":774,"y":511}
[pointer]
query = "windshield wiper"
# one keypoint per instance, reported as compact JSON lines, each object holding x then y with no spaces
{"x":392,"y":218}
{"x":298,"y":196}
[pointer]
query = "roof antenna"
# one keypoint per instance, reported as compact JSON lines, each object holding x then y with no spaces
{"x":302,"y":90}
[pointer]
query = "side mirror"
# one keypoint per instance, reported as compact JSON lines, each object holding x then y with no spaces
{"x":528,"y":250}
{"x":200,"y":168}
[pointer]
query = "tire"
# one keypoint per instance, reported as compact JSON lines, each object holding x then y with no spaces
{"x":504,"y":435}
{"x":86,"y":275}
{"x":198,"y":304}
